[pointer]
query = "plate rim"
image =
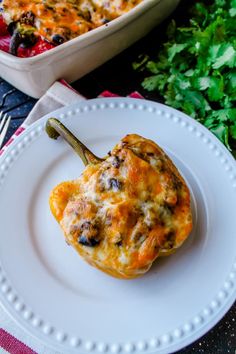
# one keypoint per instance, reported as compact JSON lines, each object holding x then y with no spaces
{"x":7,"y":296}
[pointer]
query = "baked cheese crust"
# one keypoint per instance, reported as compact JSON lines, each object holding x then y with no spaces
{"x":61,"y":20}
{"x":122,"y":213}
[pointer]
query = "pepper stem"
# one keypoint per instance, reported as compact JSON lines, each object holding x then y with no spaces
{"x":55,"y":128}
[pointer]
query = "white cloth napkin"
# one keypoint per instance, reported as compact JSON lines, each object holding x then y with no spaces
{"x":57,"y":96}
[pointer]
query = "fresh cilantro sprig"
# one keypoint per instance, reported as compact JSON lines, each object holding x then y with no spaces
{"x":195,"y":69}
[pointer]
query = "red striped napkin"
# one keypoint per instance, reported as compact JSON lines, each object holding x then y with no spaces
{"x":59,"y":94}
{"x":10,"y":344}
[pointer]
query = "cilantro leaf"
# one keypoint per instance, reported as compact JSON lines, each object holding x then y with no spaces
{"x":194,"y":69}
{"x":233,"y":130}
{"x":175,"y":49}
{"x":222,"y":133}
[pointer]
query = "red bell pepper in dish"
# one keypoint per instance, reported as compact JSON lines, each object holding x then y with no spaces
{"x":3,"y":27}
{"x":5,"y":43}
{"x":39,"y":47}
{"x":5,"y":38}
{"x":57,"y":21}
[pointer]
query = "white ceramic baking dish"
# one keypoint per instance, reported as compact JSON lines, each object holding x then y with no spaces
{"x":80,"y":55}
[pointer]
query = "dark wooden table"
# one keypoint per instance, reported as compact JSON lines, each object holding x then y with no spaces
{"x":118,"y":76}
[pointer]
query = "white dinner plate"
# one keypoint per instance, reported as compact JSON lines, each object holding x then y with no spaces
{"x":57,"y":297}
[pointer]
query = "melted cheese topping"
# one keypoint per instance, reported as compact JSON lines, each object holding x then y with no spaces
{"x":123,"y":213}
{"x":64,"y":18}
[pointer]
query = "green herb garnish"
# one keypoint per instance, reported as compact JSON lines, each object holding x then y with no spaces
{"x":195,"y":69}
